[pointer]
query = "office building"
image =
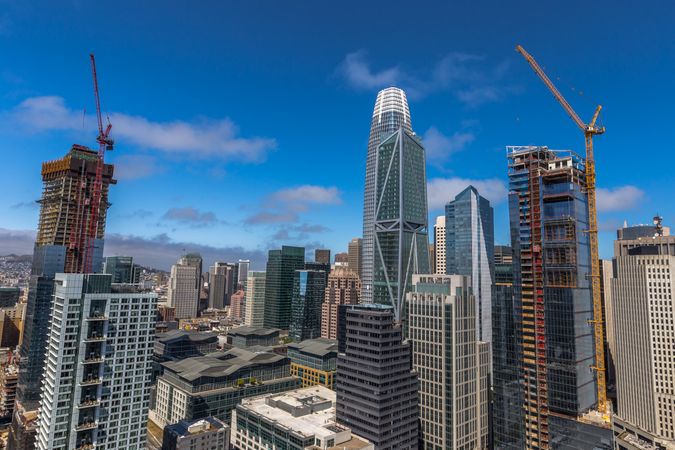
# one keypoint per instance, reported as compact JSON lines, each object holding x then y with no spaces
{"x":299,"y":419}
{"x":354,"y":252}
{"x":243,"y":266}
{"x":201,"y":434}
{"x":322,"y":256}
{"x":221,"y":284}
{"x":212,"y":385}
{"x":255,"y":299}
{"x":551,"y":259}
{"x":390,"y":113}
{"x":644,"y":332}
{"x":246,"y":336}
{"x":9,"y":296}
{"x":432,"y":257}
{"x":175,"y":345}
{"x":99,"y":350}
{"x":451,"y":364}
{"x":122,"y":269}
{"x":323,"y":267}
{"x":11,"y":322}
{"x":400,"y":223}
{"x":309,"y":287}
{"x":185,"y":286}
{"x":344,"y":288}
{"x":376,"y":388}
{"x":439,"y":258}
{"x":606,"y":275}
{"x":281,"y":267}
{"x":314,"y":361}
{"x":65,"y":212}
{"x":469,"y":237}
{"x":237,"y":306}
{"x":342,"y":259}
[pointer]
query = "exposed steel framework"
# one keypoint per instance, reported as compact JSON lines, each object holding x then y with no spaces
{"x":589,"y":131}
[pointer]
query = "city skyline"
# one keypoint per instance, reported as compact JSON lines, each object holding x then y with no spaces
{"x":470,"y":95}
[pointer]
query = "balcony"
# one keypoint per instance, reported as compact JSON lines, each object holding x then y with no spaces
{"x":88,"y":425}
{"x":95,"y":316}
{"x":95,"y":337}
{"x":89,"y":404}
{"x":93,"y":359}
{"x":86,"y":447}
{"x":91,"y":381}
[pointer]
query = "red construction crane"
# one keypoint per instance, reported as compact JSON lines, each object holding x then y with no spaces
{"x":105,"y":142}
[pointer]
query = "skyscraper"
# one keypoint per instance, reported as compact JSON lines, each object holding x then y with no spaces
{"x":322,"y":256}
{"x":439,"y":246}
{"x":451,"y":363}
{"x":469,"y":237}
{"x":100,"y":355}
{"x":390,"y":113}
{"x":185,"y":286}
{"x":255,"y":299}
{"x":242,"y":272}
{"x":65,"y":212}
{"x":344,"y":288}
{"x":122,"y":269}
{"x":221,"y":284}
{"x":551,"y":259}
{"x":376,"y":388}
{"x":308,"y":294}
{"x":354,"y":255}
{"x":400,"y":224}
{"x":644,"y":325}
{"x":281,"y":267}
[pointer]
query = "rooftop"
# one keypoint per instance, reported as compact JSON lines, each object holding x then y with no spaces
{"x":253,"y":331}
{"x":316,"y":347}
{"x":193,"y":427}
{"x":173,"y":336}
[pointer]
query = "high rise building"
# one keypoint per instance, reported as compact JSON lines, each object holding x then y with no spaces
{"x":469,"y":237}
{"x":308,"y":294}
{"x":255,"y":299}
{"x":237,"y":309}
{"x":432,"y":257}
{"x":322,"y":256}
{"x":122,"y":269}
{"x":354,"y":255}
{"x":221,"y":284}
{"x":644,"y":330}
{"x":606,"y":275}
{"x":551,"y":260}
{"x":344,"y":288}
{"x":314,"y":361}
{"x":100,"y":355}
{"x":376,"y":388}
{"x":400,"y":223}
{"x":451,"y":363}
{"x":281,"y":267}
{"x":390,"y":113}
{"x":9,"y":296}
{"x":185,"y":286}
{"x":342,"y":259}
{"x":440,"y":260}
{"x":242,"y":273}
{"x":65,"y":212}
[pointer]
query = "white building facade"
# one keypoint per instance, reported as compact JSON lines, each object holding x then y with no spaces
{"x":255,"y":299}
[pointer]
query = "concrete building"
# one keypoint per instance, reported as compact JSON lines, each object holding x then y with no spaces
{"x":469,"y":237}
{"x":354,"y":259}
{"x":175,"y":345}
{"x":299,"y":419}
{"x":201,"y":434}
{"x":255,"y":299}
{"x":212,"y":385}
{"x":243,"y":266}
{"x":100,"y":353}
{"x":9,"y":296}
{"x":245,"y":336}
{"x":322,"y":256}
{"x":314,"y":361}
{"x":644,"y":329}
{"x":451,"y":364}
{"x":390,"y":113}
{"x":439,"y":246}
{"x":122,"y":269}
{"x":222,"y":284}
{"x":185,"y":286}
{"x":309,"y":288}
{"x":281,"y":267}
{"x":377,"y":390}
{"x":342,"y":259}
{"x":344,"y":288}
{"x":237,"y":306}
{"x":9,"y":375}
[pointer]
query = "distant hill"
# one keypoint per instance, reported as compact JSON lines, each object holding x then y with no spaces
{"x":18,"y":258}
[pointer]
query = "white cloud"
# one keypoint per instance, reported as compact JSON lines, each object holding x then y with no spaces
{"x":439,"y":147}
{"x":191,"y":216}
{"x":620,"y":198}
{"x":308,"y":194}
{"x":200,"y":139}
{"x":356,"y":70}
{"x":442,"y":190}
{"x":284,"y":206}
{"x":132,"y":167}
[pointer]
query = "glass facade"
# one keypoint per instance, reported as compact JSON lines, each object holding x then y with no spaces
{"x":401,"y":241}
{"x":308,"y":293}
{"x":281,"y":267}
{"x":390,"y":113}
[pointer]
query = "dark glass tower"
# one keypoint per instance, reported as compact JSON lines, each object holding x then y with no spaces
{"x":376,"y":388}
{"x":390,"y":113}
{"x":401,"y":241}
{"x":281,"y":267}
{"x":309,"y":287}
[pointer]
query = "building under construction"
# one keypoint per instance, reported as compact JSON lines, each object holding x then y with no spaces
{"x":548,"y":211}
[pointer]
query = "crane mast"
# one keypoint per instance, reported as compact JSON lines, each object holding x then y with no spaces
{"x":589,"y":131}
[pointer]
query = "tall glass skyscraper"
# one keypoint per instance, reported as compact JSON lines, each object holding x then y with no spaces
{"x":470,"y":248}
{"x":401,"y":243}
{"x":391,"y":113}
{"x":281,"y":267}
{"x":308,"y":294}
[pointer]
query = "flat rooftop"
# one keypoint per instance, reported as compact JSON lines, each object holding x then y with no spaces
{"x":316,"y":347}
{"x":253,"y":331}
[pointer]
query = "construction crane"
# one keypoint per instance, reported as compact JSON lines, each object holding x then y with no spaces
{"x":105,"y":142}
{"x":589,"y":131}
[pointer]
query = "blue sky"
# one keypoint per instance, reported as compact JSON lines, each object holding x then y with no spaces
{"x":241,"y":126}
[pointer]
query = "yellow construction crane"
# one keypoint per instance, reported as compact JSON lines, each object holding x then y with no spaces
{"x":589,"y":131}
